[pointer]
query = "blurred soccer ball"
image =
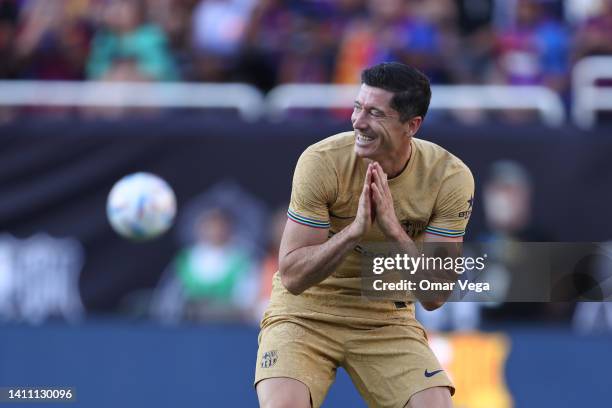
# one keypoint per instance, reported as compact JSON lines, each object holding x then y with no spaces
{"x":141,"y":206}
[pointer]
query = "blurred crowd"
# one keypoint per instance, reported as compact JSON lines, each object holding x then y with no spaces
{"x":267,"y":42}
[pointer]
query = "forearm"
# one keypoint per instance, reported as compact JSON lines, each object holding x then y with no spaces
{"x":429,"y":300}
{"x":305,"y":267}
{"x":404,"y":243}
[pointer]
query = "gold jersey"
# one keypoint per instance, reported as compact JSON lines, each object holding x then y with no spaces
{"x":433,"y":194}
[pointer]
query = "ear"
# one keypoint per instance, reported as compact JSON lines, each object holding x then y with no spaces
{"x":413,"y":125}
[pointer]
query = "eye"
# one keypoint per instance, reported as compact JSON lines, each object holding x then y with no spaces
{"x":356,"y":107}
{"x":377,"y":114}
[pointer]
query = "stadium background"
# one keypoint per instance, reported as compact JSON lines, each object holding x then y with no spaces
{"x":82,"y":307}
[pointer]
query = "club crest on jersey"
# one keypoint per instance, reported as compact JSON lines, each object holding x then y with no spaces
{"x":269,"y":359}
{"x":413,"y":228}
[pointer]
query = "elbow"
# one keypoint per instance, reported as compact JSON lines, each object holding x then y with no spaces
{"x":290,"y":283}
{"x":432,"y":305}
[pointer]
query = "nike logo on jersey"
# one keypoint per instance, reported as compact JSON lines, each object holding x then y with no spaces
{"x":428,"y":374}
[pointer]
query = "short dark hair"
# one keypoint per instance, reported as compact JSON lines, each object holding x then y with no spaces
{"x":410,"y":86}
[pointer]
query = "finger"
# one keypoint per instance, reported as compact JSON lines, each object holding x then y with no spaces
{"x":377,"y":172}
{"x":363,"y":209}
{"x":376,"y":194}
{"x":387,"y":188}
{"x":385,"y":181}
{"x":374,"y":178}
{"x":374,"y":172}
{"x":365,"y":188}
{"x":368,"y":177}
{"x":366,"y":191}
{"x":367,"y":202}
{"x":383,"y":175}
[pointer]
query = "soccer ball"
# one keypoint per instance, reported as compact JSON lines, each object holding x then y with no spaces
{"x":141,"y":206}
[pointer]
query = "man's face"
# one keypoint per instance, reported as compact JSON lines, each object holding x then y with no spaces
{"x":378,"y":130}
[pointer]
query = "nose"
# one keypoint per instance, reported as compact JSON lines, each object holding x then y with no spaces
{"x":358,"y":120}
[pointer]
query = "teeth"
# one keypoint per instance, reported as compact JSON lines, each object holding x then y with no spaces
{"x":362,"y":138}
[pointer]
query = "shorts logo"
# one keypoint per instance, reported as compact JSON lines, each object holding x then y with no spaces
{"x":269,"y":359}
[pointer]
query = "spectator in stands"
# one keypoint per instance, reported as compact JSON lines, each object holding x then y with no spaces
{"x":507,"y":202}
{"x":342,"y":12}
{"x":43,"y":40}
{"x":218,"y":33}
{"x":593,"y":36}
{"x":217,"y":276}
{"x":269,"y":27}
{"x":364,"y":43}
{"x":9,"y":12}
{"x":577,"y":12}
{"x":127,"y":39}
{"x":393,"y":31}
{"x":535,"y":50}
{"x":434,"y":46}
{"x":475,"y":34}
{"x":309,"y":54}
{"x":52,"y":41}
{"x":8,"y":31}
{"x":174,"y":18}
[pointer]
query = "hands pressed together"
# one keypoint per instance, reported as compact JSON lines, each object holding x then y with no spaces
{"x":376,"y":205}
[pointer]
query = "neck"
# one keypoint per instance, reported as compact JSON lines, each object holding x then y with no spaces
{"x":393,"y":166}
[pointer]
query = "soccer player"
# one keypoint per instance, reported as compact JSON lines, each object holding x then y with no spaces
{"x":376,"y":183}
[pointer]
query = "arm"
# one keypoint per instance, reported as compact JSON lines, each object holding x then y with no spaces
{"x":390,"y":226}
{"x":306,"y":257}
{"x":406,"y":245}
{"x":429,"y":238}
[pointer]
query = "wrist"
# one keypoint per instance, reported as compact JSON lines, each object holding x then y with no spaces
{"x":398,"y":235}
{"x":354,"y":231}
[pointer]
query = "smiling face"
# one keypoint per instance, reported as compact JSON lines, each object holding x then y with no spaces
{"x":379,"y":133}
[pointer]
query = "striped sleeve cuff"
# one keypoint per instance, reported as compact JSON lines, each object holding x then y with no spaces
{"x":293,"y":216}
{"x":444,"y":232}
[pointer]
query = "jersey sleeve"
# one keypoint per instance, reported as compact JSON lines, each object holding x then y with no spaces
{"x":453,"y":206}
{"x":313,"y":190}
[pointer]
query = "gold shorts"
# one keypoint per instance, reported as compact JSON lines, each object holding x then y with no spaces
{"x":387,"y":361}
